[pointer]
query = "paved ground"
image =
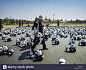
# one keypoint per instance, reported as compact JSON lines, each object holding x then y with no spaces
{"x":51,"y":56}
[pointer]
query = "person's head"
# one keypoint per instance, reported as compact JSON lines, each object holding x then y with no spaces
{"x":40,"y":18}
{"x":36,"y":18}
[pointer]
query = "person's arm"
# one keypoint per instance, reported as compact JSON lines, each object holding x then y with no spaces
{"x":35,"y":29}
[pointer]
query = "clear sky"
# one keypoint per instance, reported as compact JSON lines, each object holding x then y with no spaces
{"x":27,"y":9}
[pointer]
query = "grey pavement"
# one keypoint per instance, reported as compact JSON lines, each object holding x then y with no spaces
{"x":51,"y":56}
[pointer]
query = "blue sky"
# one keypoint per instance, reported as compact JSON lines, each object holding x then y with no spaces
{"x":27,"y":9}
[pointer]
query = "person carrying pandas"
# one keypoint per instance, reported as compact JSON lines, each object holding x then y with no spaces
{"x":38,"y":27}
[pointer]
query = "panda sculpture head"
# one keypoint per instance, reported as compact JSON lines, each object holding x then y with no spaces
{"x":72,"y":46}
{"x":39,"y":52}
{"x":39,"y":34}
{"x":5,"y":48}
{"x":12,"y":50}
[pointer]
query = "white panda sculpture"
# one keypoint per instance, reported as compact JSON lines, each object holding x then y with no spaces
{"x":62,"y":61}
{"x":39,"y":55}
{"x":71,"y":49}
{"x":22,"y":37}
{"x":5,"y":50}
{"x":29,"y":42}
{"x":11,"y":52}
{"x":3,"y":37}
{"x":17,"y":41}
{"x":8,"y":39}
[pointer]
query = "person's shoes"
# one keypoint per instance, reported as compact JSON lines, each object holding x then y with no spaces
{"x":45,"y":48}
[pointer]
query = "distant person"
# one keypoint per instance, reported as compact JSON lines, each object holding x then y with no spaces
{"x":22,"y":23}
{"x":47,"y":24}
{"x":28,"y":24}
{"x":58,"y":23}
{"x":19,"y":23}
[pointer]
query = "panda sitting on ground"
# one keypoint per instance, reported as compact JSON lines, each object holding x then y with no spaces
{"x":55,"y":42}
{"x":46,"y":35}
{"x":11,"y":52}
{"x":54,"y":37}
{"x":8,"y":39}
{"x":5,"y":49}
{"x":83,"y":37}
{"x":11,"y":34}
{"x":71,"y":49}
{"x":62,"y":61}
{"x":29,"y":42}
{"x":65,"y":35}
{"x":22,"y":37}
{"x":39,"y":55}
{"x":3,"y":37}
{"x":71,"y":41}
{"x":22,"y":44}
{"x":0,"y":34}
{"x":82,"y":42}
{"x":27,"y":34}
{"x":79,"y":37}
{"x":18,"y":41}
{"x":5,"y":32}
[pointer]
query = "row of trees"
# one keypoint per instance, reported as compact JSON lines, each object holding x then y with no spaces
{"x":14,"y":21}
{"x":77,"y":21}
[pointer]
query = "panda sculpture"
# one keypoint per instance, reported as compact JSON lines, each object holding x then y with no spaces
{"x":71,"y":41}
{"x":65,"y":35}
{"x":5,"y":49}
{"x":27,"y":34}
{"x":62,"y":61}
{"x":82,"y":42}
{"x":3,"y":37}
{"x":22,"y":44}
{"x":71,"y":49}
{"x":0,"y":34}
{"x":15,"y":34}
{"x":79,"y":37}
{"x":17,"y":41}
{"x":11,"y":34}
{"x":54,"y":37}
{"x":22,"y":38}
{"x":46,"y":35}
{"x":5,"y":32}
{"x":55,"y":42}
{"x":39,"y":55}
{"x":29,"y":42}
{"x":74,"y":37}
{"x":10,"y":52}
{"x":8,"y":39}
{"x":83,"y":37}
{"x":61,"y":35}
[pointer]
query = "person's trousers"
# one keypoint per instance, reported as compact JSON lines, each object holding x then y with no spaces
{"x":37,"y":41}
